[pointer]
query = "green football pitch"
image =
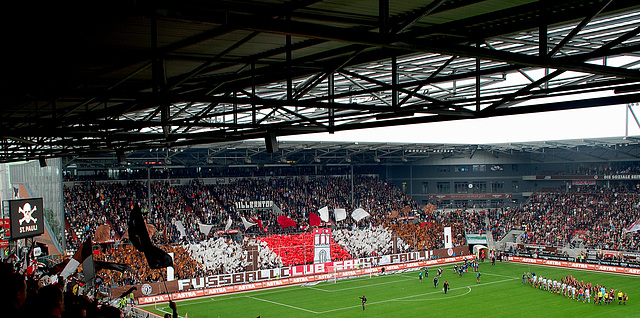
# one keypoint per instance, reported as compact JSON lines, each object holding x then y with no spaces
{"x":499,"y":294}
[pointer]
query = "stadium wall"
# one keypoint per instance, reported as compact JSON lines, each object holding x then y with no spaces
{"x":422,"y":180}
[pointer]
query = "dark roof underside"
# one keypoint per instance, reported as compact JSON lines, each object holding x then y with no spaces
{"x":121,"y":76}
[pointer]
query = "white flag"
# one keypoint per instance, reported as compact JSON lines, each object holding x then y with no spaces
{"x":228,"y":226}
{"x":634,"y":227}
{"x":205,"y":228}
{"x":448,"y":241}
{"x":84,"y":256}
{"x":340,"y":214}
{"x":247,"y":224}
{"x":324,"y":214}
{"x":359,"y":214}
{"x":180,"y":228}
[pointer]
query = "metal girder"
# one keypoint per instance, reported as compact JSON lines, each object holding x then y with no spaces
{"x":180,"y":74}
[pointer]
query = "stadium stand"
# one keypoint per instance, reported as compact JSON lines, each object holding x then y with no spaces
{"x":113,"y":87}
{"x":91,"y":204}
{"x":589,"y":218}
{"x":555,"y":217}
{"x":598,"y":215}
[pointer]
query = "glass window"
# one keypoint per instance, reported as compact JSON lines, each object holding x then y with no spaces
{"x":479,"y":187}
{"x":443,"y":187}
{"x":497,"y":187}
{"x":461,"y":187}
{"x":425,"y":187}
{"x":479,"y":168}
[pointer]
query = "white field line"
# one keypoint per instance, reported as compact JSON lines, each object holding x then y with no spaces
{"x":281,"y":304}
{"x":270,"y":291}
{"x":405,"y":298}
{"x":357,"y":287}
{"x":166,"y":312}
{"x":222,"y":298}
{"x":440,"y":298}
{"x":417,"y":295}
{"x":490,"y":274}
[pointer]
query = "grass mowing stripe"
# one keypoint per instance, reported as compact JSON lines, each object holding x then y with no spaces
{"x":402,"y":295}
{"x":438,"y":291}
{"x":416,"y":295}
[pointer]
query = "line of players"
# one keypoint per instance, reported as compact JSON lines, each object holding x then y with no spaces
{"x":571,"y":288}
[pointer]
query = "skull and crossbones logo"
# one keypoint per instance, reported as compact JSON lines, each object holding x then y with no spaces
{"x":26,"y":211}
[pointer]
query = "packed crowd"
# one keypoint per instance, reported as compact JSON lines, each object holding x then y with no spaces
{"x":89,"y":205}
{"x":428,"y":235}
{"x":185,"y":266}
{"x":25,"y":296}
{"x":177,"y":212}
{"x":597,"y":216}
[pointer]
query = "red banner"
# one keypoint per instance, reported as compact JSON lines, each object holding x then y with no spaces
{"x":286,"y":222}
{"x":583,"y":182}
{"x":231,"y":231}
{"x":314,"y":219}
{"x":470,"y":196}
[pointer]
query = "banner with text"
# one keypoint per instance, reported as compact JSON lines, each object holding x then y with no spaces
{"x":320,"y":275}
{"x":299,"y":273}
{"x":593,"y":267}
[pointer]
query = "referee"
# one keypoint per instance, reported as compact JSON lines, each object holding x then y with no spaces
{"x":364,"y":300}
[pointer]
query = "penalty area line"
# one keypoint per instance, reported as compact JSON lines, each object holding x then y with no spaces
{"x":440,"y":298}
{"x":358,"y":287}
{"x":281,"y":304}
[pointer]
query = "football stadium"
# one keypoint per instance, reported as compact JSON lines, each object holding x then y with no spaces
{"x":321,"y":159}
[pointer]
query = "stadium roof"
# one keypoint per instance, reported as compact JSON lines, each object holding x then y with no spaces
{"x":121,"y":76}
{"x":243,"y":154}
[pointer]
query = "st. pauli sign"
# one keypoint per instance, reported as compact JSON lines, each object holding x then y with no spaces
{"x":26,"y":218}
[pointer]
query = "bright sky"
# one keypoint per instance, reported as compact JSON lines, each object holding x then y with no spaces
{"x":606,"y":121}
{"x":595,"y":122}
